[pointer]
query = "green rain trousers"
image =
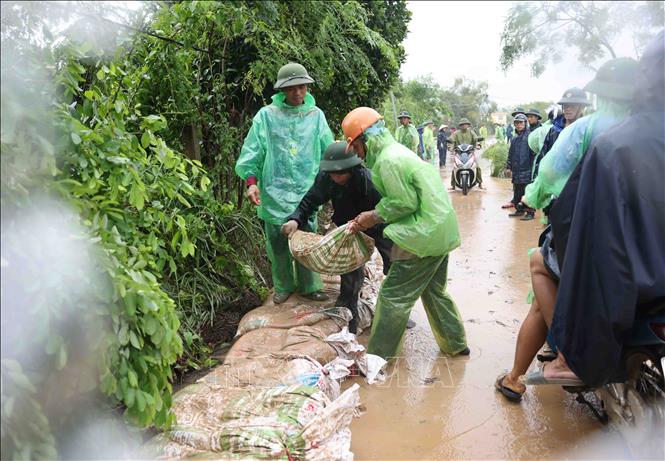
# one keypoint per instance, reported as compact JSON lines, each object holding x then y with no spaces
{"x":408,"y":280}
{"x":288,"y":276}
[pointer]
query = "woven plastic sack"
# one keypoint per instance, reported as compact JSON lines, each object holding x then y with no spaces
{"x":338,"y":252}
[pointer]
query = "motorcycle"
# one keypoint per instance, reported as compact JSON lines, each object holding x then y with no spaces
{"x":464,"y":167}
{"x":635,"y":397}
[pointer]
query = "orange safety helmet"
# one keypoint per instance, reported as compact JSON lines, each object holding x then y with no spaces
{"x":357,"y":121}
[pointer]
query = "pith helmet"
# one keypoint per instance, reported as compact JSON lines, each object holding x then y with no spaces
{"x":292,"y":74}
{"x":520,"y":118}
{"x":535,"y":112}
{"x":404,"y":114}
{"x":518,"y":110}
{"x":574,"y":96}
{"x":336,"y":158}
{"x":463,"y":121}
{"x":615,"y":79}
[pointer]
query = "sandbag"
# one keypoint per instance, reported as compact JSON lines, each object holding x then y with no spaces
{"x":287,"y":316}
{"x":338,"y":252}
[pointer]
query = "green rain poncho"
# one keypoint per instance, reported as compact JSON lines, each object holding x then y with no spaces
{"x":407,"y":135}
{"x":429,"y":141}
{"x":464,"y":137}
{"x":283,"y":150}
{"x":500,"y":134}
{"x":559,"y":163}
{"x":415,"y":204}
{"x":537,"y":137}
{"x":422,"y":221}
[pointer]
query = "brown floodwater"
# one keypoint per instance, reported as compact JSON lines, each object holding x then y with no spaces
{"x":436,"y":407}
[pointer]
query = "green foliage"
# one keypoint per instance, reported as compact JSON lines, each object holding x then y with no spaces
{"x":497,"y":154}
{"x":174,"y":245}
{"x":352,"y":51}
{"x":549,"y":30}
{"x":540,"y":105}
{"x":425,"y":99}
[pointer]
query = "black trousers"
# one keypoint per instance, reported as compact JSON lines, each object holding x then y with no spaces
{"x":352,"y":282}
{"x":442,"y":156}
{"x":518,"y":193}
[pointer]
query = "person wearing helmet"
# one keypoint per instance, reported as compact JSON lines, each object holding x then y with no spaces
{"x":613,"y":86}
{"x":429,"y":142}
{"x":573,"y":102}
{"x":518,"y":165}
{"x":500,"y":133}
{"x":348,"y":186}
{"x":442,"y":145}
{"x":537,"y":137}
{"x":533,"y":117}
{"x":279,"y":161}
{"x":422,"y":225}
{"x":406,"y":133}
{"x":466,"y":135}
{"x":626,"y":227}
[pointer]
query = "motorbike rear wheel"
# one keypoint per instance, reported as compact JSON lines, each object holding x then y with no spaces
{"x":638,"y":405}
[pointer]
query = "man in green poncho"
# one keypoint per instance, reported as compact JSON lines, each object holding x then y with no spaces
{"x":406,"y":133}
{"x":279,"y":161}
{"x":423,"y":227}
{"x":465,"y":135}
{"x":429,"y":142}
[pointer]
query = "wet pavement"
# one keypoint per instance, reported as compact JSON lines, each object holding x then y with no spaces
{"x":437,"y":407}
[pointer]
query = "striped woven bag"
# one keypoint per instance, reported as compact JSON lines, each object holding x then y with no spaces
{"x":335,"y":253}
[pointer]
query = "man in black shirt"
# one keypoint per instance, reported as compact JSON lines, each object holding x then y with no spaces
{"x":348,"y":184}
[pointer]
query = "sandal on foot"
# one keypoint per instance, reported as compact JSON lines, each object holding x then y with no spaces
{"x":537,"y":378}
{"x":507,"y":392}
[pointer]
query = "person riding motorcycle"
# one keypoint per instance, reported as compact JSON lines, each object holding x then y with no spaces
{"x":465,"y":135}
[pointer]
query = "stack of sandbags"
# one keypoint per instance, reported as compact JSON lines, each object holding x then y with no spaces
{"x":277,"y":395}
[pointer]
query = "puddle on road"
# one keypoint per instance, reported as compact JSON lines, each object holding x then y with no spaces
{"x":437,"y":407}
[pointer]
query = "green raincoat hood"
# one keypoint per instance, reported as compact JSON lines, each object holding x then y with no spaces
{"x":279,"y":100}
{"x":414,"y":201}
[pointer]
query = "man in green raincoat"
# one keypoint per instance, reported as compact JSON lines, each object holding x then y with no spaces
{"x":466,"y":135}
{"x":429,"y":142}
{"x":406,"y":133}
{"x":483,"y":134}
{"x":423,"y":227}
{"x":279,"y":161}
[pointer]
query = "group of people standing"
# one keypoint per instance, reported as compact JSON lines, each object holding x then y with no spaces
{"x":602,"y":255}
{"x":599,"y":181}
{"x":291,"y":166}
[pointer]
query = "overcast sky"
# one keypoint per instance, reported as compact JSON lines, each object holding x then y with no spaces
{"x":451,"y":39}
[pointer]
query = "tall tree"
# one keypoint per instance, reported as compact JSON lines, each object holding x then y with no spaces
{"x":548,"y":30}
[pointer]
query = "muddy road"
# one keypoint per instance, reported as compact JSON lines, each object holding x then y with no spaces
{"x":437,"y":407}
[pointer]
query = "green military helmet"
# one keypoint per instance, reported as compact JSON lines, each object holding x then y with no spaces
{"x":463,"y":121}
{"x":615,"y":79}
{"x":574,"y":96}
{"x":534,"y":112}
{"x":336,"y":158}
{"x":292,"y":74}
{"x":404,"y":114}
{"x":428,"y":122}
{"x":518,"y":110}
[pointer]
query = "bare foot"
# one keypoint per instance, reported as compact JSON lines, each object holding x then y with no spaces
{"x":558,"y":368}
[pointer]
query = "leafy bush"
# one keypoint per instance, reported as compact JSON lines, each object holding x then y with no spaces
{"x":497,"y":154}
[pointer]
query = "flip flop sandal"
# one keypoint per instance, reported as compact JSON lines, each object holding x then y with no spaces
{"x":538,"y":378}
{"x":506,"y":391}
